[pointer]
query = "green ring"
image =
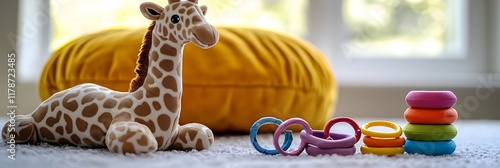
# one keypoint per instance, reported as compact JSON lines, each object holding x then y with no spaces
{"x":430,"y":132}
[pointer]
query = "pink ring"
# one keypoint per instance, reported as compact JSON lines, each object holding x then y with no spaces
{"x":282,"y":128}
{"x":337,"y":141}
{"x":348,"y":120}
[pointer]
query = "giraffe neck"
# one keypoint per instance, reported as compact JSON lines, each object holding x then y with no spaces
{"x":164,"y":77}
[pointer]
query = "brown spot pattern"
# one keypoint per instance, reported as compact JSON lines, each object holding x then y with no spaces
{"x":150,"y":124}
{"x":143,"y":109}
{"x":167,"y":65}
{"x":138,"y":95}
{"x":126,"y":103}
{"x":156,"y":43}
{"x":154,"y":54}
{"x":110,"y":103}
{"x":69,"y":124}
{"x":156,"y":105}
{"x":89,"y":90}
{"x":91,"y":96}
{"x":72,"y":105}
{"x":53,"y":105}
{"x":182,"y":10}
{"x":187,"y":22}
{"x":172,"y":38}
{"x":88,"y":142}
{"x":128,"y":147}
{"x":45,"y":133}
{"x":81,"y":125}
{"x":174,"y":7}
{"x":63,"y":141}
{"x":156,"y":72}
{"x":199,"y":145}
{"x":196,"y":19}
{"x":168,"y":50}
{"x":60,"y":130}
{"x":51,"y":120}
{"x":118,"y":95}
{"x":40,"y":113}
{"x":190,"y":11}
{"x":179,"y":27}
{"x":165,"y":31}
{"x":171,"y":102}
{"x":143,"y":141}
{"x":96,"y":133}
{"x":90,"y":110}
{"x":76,"y":139}
{"x":164,"y":122}
{"x":170,"y":83}
{"x":160,"y":141}
{"x":192,"y":134}
{"x":105,"y":119}
{"x":123,"y":116}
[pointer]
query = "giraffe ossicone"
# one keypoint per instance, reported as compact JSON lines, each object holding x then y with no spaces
{"x":146,"y":119}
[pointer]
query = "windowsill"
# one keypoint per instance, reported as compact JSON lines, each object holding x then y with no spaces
{"x":374,"y":79}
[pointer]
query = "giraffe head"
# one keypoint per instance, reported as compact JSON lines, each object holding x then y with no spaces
{"x":181,"y":22}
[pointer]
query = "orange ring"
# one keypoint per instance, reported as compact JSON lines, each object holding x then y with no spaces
{"x":431,"y":116}
{"x":383,"y":142}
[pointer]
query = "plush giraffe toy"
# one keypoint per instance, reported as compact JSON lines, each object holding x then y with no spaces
{"x":142,"y":120}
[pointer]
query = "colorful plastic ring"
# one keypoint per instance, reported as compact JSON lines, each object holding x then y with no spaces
{"x":348,"y":120}
{"x":337,"y":141}
{"x":383,"y":142}
{"x":430,"y":132}
{"x":396,"y":133}
{"x":430,"y":147}
{"x":285,"y":125}
{"x":430,"y":116}
{"x":268,"y":120}
{"x":314,"y":150}
{"x":431,"y":99}
{"x":382,"y":151}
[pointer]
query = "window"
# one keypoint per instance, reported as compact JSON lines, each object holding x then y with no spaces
{"x":451,"y":52}
{"x":368,"y":42}
{"x":403,"y":29}
{"x":75,"y":18}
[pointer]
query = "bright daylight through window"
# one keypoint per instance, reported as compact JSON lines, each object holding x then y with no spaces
{"x":400,"y":28}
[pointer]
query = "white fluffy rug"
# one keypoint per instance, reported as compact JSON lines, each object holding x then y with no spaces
{"x":478,"y":145}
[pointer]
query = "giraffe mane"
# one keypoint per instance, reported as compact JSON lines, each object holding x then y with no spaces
{"x":141,"y":69}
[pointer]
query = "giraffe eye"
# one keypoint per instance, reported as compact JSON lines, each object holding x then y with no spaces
{"x":175,"y":19}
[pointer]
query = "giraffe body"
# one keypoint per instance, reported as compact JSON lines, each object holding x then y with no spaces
{"x":144,"y":120}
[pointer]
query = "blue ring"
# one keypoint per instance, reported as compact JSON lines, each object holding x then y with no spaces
{"x":269,"y":120}
{"x":432,"y":148}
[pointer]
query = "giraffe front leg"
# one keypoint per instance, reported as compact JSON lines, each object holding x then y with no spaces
{"x":193,"y":136}
{"x":130,"y":137}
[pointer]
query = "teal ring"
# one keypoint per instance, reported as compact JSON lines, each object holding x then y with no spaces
{"x":269,"y":120}
{"x":432,"y":148}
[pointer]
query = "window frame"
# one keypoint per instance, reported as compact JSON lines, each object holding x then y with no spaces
{"x":327,"y":32}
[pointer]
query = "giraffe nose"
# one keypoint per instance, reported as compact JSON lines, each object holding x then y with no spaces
{"x":206,"y":34}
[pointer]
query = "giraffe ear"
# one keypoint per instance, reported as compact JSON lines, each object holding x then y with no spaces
{"x":151,"y":10}
{"x":204,"y":9}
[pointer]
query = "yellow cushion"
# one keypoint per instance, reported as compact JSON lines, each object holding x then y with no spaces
{"x":249,"y":74}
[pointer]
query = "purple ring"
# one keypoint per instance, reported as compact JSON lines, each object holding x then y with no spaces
{"x":314,"y":151}
{"x":282,"y":127}
{"x":337,"y":141}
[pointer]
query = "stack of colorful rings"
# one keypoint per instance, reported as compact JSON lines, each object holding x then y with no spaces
{"x":315,"y":142}
{"x":382,"y":143}
{"x":430,"y":116}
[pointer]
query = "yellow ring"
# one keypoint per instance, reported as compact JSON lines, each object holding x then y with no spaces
{"x":397,"y":129}
{"x":382,"y":151}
